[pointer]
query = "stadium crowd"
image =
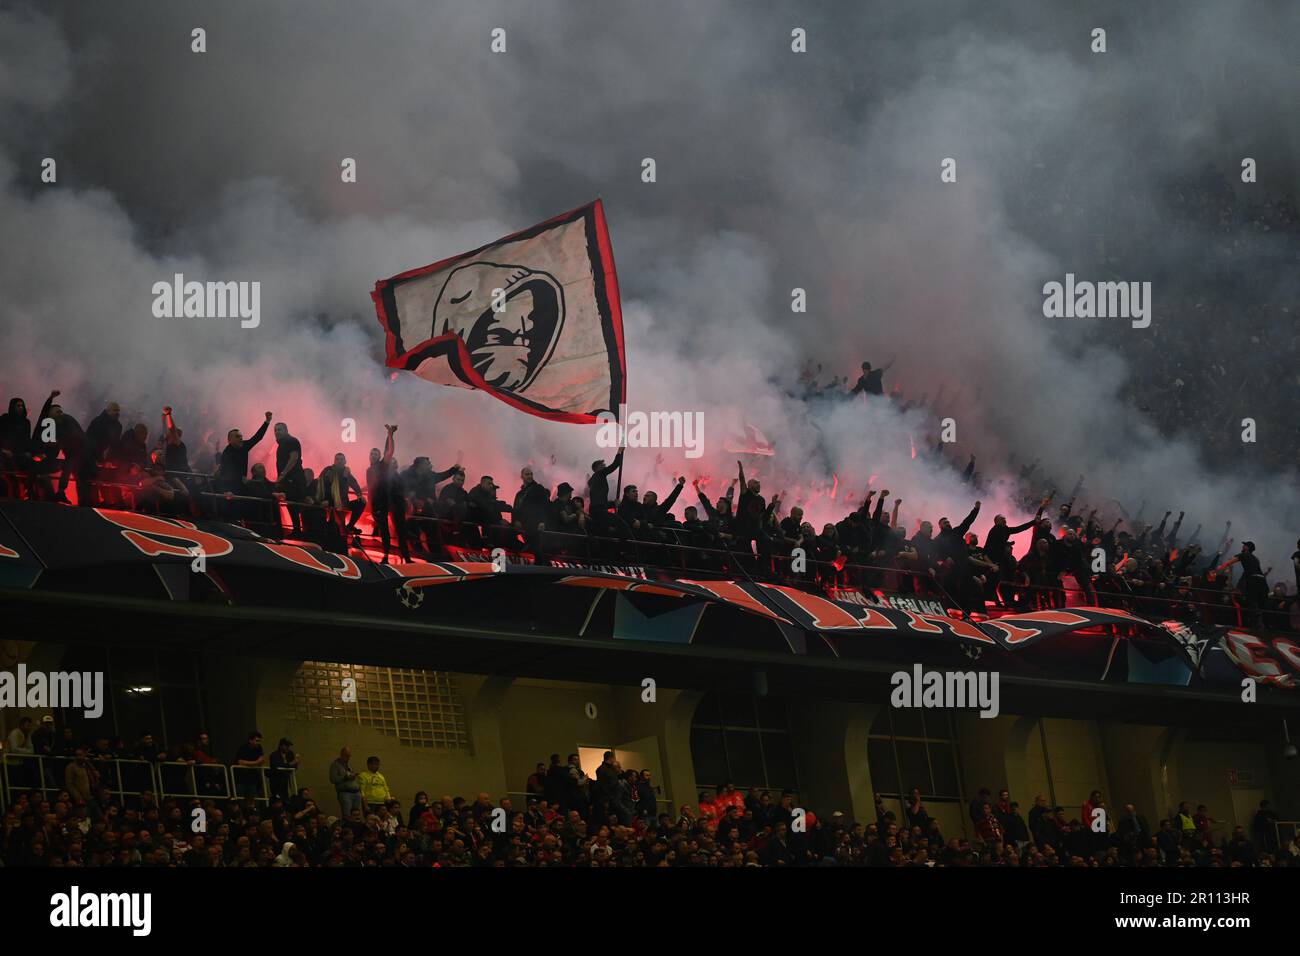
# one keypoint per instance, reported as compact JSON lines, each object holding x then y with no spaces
{"x":570,"y":819}
{"x":1142,"y":566}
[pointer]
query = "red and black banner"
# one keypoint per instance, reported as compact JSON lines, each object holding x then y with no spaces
{"x":533,"y":319}
{"x":50,"y":547}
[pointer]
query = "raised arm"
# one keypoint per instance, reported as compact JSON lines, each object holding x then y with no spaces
{"x":708,"y":508}
{"x":667,"y":504}
{"x":969,"y":520}
{"x":260,"y":433}
{"x":611,"y":467}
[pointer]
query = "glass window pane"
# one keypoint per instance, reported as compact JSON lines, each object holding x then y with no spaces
{"x":779,"y":756}
{"x":745,"y":759}
{"x":181,"y":711}
{"x":133,"y":666}
{"x":907,"y":722}
{"x":937,"y":724}
{"x":707,"y":756}
{"x":86,"y":657}
{"x":880,"y":758}
{"x":707,"y":711}
{"x":912,"y":765}
{"x":737,"y":710}
{"x":771,"y":713}
{"x":880,"y":726}
{"x":944,"y":770}
{"x":137,"y":714}
{"x":175,"y":666}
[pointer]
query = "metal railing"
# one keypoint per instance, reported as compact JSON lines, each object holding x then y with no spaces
{"x":124,"y":776}
{"x":669,"y":549}
{"x":520,"y":798}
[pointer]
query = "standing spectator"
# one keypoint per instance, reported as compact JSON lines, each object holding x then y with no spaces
{"x":607,"y":789}
{"x":251,"y":757}
{"x":387,"y":500}
{"x":535,"y":786}
{"x":1264,"y":827}
{"x":555,"y":784}
{"x":1015,"y":828}
{"x":915,"y":812}
{"x":70,"y":439}
{"x":347,"y":786}
{"x":1168,"y":844}
{"x":20,"y":748}
{"x":579,"y":786}
{"x":104,"y":434}
{"x":338,"y":490}
{"x":647,"y":802}
{"x":987,"y":827}
{"x":290,"y":480}
{"x":1132,"y":829}
{"x":374,"y":786}
{"x":283,"y":763}
{"x":233,"y":468}
{"x":1240,"y":849}
{"x":81,"y":778}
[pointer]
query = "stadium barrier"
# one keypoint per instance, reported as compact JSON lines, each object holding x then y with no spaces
{"x":668,"y":554}
{"x":130,"y":777}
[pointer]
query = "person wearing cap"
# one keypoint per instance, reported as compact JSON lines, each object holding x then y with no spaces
{"x":565,"y":516}
{"x":485,"y":508}
{"x":283,"y":762}
{"x":43,"y":747}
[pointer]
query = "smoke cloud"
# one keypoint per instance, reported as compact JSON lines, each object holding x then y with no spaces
{"x":776,"y":171}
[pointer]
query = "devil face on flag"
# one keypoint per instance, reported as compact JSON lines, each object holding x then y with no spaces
{"x":533,"y":319}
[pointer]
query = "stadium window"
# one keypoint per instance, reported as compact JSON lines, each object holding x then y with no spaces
{"x":744,"y":739}
{"x":149,"y":690}
{"x":417,"y":707}
{"x":914,"y":748}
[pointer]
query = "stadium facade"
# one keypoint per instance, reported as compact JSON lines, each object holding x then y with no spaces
{"x":462,"y":679}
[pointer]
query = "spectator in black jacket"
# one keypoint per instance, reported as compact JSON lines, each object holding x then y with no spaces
{"x":104,"y":433}
{"x":486,"y":509}
{"x":1168,"y":844}
{"x":70,"y":439}
{"x":598,"y":489}
{"x":566,"y":518}
{"x":234,"y":457}
{"x":1240,"y":849}
{"x":1039,"y":818}
{"x":15,"y":437}
{"x":337,"y":488}
{"x":453,"y":499}
{"x":531,"y":504}
{"x":386,"y":497}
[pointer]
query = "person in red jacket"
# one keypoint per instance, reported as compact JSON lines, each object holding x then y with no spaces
{"x":987,"y":827}
{"x":1090,"y":806}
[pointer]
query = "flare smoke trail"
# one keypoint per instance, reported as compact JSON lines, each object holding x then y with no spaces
{"x":775,"y":170}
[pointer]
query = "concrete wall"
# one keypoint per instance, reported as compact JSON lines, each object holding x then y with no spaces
{"x":514,"y":724}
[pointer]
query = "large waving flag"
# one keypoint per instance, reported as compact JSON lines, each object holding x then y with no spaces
{"x":533,"y":319}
